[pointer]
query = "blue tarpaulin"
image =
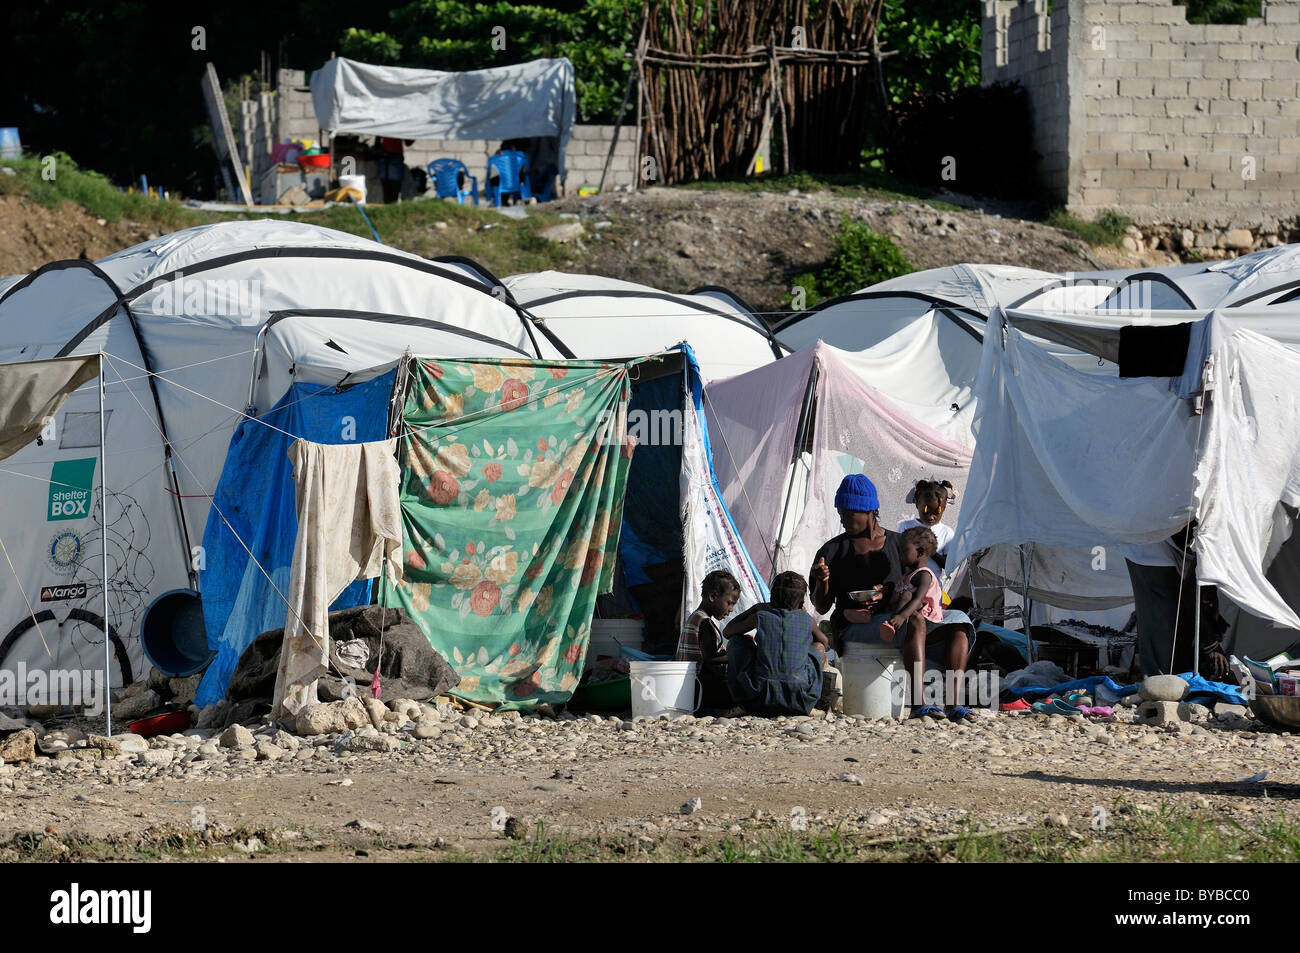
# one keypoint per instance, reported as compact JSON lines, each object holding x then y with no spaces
{"x":256,"y":496}
{"x":1202,"y":690}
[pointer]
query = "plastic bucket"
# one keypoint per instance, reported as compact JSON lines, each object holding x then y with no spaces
{"x":665,"y":688}
{"x":357,"y":182}
{"x":610,"y":636}
{"x":868,"y":671}
{"x":173,"y":635}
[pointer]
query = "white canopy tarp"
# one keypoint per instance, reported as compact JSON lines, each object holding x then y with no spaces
{"x":1249,"y":470}
{"x":1070,"y":459}
{"x":537,"y":98}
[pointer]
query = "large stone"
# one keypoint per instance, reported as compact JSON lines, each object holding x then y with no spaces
{"x":18,"y":746}
{"x":182,"y":689}
{"x":407,"y":707}
{"x":213,"y":716}
{"x":236,"y":736}
{"x":376,"y":709}
{"x":355,"y":714}
{"x":1240,"y":239}
{"x":137,"y":706}
{"x":266,"y":751}
{"x":1163,"y":688}
{"x":129,"y":743}
{"x":155,"y":757}
{"x":326,"y":719}
{"x":564,"y":232}
{"x":1160,"y":713}
{"x":110,"y":746}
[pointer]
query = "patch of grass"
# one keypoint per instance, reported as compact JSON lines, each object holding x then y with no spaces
{"x":426,"y":227}
{"x":1108,"y":228}
{"x":1166,"y":834}
{"x":55,"y":179}
{"x":873,"y":182}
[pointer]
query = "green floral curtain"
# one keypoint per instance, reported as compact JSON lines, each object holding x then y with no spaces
{"x":512,"y":497}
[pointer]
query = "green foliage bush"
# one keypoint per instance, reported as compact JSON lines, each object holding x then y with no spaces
{"x":452,"y":35}
{"x":862,"y":258}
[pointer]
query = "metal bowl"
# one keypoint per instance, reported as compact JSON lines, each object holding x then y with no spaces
{"x":1279,"y":711}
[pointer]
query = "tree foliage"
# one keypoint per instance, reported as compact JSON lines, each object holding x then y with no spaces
{"x":450,"y":35}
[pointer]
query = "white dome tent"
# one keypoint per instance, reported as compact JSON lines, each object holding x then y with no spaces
{"x":197,"y":328}
{"x":600,"y":318}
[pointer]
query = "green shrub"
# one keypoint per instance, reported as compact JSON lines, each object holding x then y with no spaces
{"x":1107,"y":229}
{"x":862,"y":258}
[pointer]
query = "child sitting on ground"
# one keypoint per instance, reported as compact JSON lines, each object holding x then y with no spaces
{"x":777,"y":670}
{"x":921,"y":619}
{"x":701,"y":640}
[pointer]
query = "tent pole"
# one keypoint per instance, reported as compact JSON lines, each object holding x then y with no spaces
{"x":800,"y":436}
{"x":1196,"y":630}
{"x":103,"y":555}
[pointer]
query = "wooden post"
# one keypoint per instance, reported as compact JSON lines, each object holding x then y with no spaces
{"x":618,"y":123}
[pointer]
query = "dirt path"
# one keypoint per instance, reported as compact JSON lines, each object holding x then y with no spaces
{"x":595,"y":778}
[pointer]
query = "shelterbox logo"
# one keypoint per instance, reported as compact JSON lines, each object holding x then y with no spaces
{"x":70,"y":484}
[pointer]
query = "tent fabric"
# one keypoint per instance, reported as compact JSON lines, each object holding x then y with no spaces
{"x":32,"y":392}
{"x":606,"y":319}
{"x":853,"y":430}
{"x":1072,"y":460}
{"x":349,"y":528}
{"x":60,"y":539}
{"x":710,"y":535}
{"x":537,"y":98}
{"x":507,"y":546}
{"x":256,"y":497}
{"x":1249,"y":469}
{"x":924,"y":369}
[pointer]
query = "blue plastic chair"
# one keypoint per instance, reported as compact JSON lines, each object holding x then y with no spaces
{"x":512,"y":176}
{"x":445,"y":174}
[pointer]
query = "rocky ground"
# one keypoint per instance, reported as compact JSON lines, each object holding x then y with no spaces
{"x":756,"y":243}
{"x":434,"y":781}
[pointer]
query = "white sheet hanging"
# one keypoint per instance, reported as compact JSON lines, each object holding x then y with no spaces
{"x":1070,"y":459}
{"x":1250,"y":463}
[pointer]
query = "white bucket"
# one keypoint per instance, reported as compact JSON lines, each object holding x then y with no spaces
{"x":868,"y":672}
{"x":608,"y":635}
{"x":665,"y":688}
{"x":357,"y":182}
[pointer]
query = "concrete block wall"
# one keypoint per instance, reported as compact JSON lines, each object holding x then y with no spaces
{"x":1160,"y":116}
{"x":288,"y":114}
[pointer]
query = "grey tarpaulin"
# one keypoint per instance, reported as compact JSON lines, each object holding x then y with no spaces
{"x":33,"y":391}
{"x":537,"y":98}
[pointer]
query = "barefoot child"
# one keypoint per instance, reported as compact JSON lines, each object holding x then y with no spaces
{"x":920,"y":619}
{"x":701,"y":640}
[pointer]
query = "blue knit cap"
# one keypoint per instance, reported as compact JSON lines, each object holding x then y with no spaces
{"x":857,"y":493}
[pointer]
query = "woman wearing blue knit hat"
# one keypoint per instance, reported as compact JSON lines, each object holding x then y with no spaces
{"x":862,"y":559}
